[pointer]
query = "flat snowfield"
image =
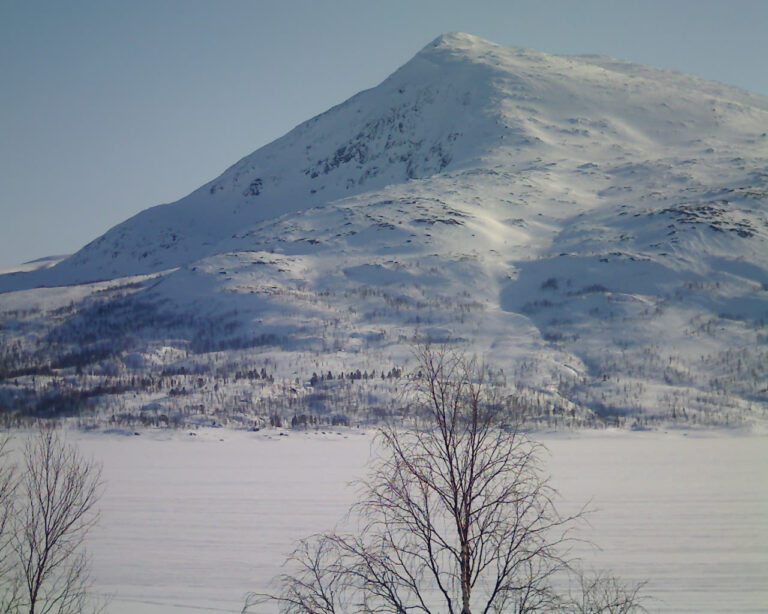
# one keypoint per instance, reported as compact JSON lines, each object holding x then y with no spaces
{"x":192,"y":523}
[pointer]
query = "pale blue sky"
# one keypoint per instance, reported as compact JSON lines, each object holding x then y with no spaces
{"x":107,"y":108}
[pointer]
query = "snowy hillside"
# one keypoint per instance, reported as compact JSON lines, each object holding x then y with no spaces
{"x":598,"y":230}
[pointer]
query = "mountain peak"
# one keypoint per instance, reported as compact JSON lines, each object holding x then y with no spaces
{"x":461,"y":103}
{"x":459,"y":40}
{"x":460,"y":45}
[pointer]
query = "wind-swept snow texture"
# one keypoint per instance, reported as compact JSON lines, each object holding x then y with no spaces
{"x":596,"y":228}
{"x":189,"y":524}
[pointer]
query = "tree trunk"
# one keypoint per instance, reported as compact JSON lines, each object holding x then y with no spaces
{"x":466,"y":589}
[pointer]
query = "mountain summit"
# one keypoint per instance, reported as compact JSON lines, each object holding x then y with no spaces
{"x":594,"y":227}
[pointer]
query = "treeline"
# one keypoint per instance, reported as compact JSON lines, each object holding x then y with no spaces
{"x":316,"y":379}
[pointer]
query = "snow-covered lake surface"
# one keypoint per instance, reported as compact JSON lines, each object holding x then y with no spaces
{"x":191,"y":523}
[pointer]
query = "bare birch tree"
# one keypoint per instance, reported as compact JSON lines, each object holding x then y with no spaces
{"x":9,"y":583}
{"x":462,"y":503}
{"x":54,"y":508}
{"x":456,"y":517}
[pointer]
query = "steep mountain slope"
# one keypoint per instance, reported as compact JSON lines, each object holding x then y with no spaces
{"x":596,"y":229}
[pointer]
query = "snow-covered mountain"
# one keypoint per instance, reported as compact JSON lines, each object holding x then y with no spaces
{"x":597,"y":229}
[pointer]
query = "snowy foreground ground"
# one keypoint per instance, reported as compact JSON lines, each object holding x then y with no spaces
{"x":191,"y":523}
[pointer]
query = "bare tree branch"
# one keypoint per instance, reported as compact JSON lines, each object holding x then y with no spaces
{"x":601,"y":593}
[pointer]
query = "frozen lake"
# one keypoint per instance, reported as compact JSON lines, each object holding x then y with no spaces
{"x":193,"y":523}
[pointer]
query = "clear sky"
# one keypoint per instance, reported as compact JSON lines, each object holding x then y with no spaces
{"x":109,"y":107}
